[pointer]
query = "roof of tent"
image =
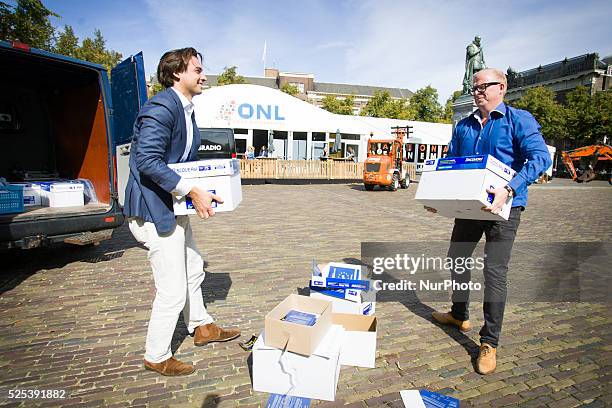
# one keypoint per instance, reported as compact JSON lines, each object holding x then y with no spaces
{"x":258,"y":107}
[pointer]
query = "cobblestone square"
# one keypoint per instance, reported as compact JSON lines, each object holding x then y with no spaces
{"x":74,"y":319}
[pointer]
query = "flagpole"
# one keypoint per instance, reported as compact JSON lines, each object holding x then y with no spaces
{"x":263,"y":57}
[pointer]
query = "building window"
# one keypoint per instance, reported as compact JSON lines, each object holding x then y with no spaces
{"x":298,"y":85}
{"x":241,"y":131}
{"x":318,"y":136}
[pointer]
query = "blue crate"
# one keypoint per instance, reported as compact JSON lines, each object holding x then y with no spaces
{"x":11,"y":199}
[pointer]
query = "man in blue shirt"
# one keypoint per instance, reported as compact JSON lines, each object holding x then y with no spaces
{"x":512,"y":136}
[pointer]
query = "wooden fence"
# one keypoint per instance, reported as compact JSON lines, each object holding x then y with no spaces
{"x":307,"y":169}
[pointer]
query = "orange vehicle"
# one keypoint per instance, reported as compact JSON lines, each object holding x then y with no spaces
{"x":597,"y":159}
{"x":383,"y":166}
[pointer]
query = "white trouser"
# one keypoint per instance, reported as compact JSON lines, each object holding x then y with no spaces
{"x":178,"y":271}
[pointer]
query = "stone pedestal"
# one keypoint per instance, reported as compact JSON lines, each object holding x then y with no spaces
{"x":462,"y":107}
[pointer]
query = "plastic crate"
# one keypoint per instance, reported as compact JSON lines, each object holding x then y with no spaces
{"x":11,"y":199}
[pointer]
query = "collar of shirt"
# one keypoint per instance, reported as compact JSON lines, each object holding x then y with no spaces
{"x":187,"y":104}
{"x":501,"y":109}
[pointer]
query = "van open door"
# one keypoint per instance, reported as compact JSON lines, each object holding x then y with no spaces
{"x":129,"y":92}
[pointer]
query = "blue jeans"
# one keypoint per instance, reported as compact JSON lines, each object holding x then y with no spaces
{"x":498,"y":248}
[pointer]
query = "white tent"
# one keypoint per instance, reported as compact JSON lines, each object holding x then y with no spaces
{"x":257,"y":107}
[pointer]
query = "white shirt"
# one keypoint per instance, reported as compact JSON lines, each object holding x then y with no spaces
{"x":184,"y":186}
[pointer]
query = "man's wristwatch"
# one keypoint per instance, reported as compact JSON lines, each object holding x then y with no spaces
{"x":510,"y":191}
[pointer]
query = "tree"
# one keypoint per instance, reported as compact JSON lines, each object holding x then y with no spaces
{"x":424,"y":105}
{"x":381,"y":105}
{"x":229,"y":76}
{"x":67,"y":42}
{"x":541,"y":103}
{"x":94,"y":50}
{"x":448,"y":107}
{"x":588,"y":116}
{"x":27,"y":22}
{"x":339,"y":106}
{"x":290,"y":89}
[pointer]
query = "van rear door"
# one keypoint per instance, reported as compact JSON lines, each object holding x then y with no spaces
{"x":129,"y":91}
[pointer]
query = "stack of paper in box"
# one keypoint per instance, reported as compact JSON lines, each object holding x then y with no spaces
{"x":354,"y":303}
{"x":218,"y":176}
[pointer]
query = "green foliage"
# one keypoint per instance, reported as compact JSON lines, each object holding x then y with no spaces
{"x":541,"y":103}
{"x":94,"y":50}
{"x":424,"y":106}
{"x":229,"y":76}
{"x":27,"y":22}
{"x":588,"y":116}
{"x":290,"y":89}
{"x":448,"y":107}
{"x":339,"y":106}
{"x":381,"y":105}
{"x":155,"y":88}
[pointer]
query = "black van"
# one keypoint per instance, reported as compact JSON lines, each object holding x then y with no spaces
{"x":217,"y":143}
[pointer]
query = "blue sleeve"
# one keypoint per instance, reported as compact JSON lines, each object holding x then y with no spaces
{"x":155,"y":134}
{"x":533,"y":148}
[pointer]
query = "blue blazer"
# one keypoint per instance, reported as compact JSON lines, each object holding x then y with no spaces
{"x":160,"y":137}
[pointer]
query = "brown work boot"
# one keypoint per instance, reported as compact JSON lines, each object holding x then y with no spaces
{"x":170,"y":367}
{"x":487,"y":359}
{"x":447,"y":318}
{"x":210,"y":333}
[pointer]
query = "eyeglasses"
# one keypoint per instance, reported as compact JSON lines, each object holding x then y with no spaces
{"x":483,"y":87}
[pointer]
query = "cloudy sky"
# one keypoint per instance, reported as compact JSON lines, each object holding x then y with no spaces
{"x":395,"y":43}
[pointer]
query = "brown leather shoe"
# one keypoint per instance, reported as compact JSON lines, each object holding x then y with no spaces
{"x":447,"y":318}
{"x":210,"y":333}
{"x":487,"y":359}
{"x":170,"y":367}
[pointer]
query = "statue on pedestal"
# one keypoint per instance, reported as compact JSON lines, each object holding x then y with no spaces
{"x":474,"y":62}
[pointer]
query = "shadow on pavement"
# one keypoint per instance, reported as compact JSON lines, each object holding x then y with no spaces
{"x":215,"y":287}
{"x":20,"y":264}
{"x":211,"y":401}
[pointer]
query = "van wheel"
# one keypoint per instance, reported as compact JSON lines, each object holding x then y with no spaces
{"x":394,"y":183}
{"x":405,"y":182}
{"x":369,"y":187}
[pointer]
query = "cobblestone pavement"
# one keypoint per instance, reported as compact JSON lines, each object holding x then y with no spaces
{"x":74,"y":319}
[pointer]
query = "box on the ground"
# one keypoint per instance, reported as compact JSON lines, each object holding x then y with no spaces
{"x":314,"y":376}
{"x":335,"y":275}
{"x":61,"y":193}
{"x":32,"y":194}
{"x":456,"y":187}
{"x":359,"y":340}
{"x":365,"y":304}
{"x":217,"y":176}
{"x":427,"y":399}
{"x":298,"y":338}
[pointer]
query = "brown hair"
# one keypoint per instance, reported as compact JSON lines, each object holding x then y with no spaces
{"x":174,"y":62}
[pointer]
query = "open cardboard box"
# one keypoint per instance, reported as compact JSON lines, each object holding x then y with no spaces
{"x":298,"y":338}
{"x":286,"y":373}
{"x":359,"y":341}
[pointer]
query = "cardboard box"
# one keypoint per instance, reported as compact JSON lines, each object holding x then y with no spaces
{"x":337,"y":275}
{"x":456,"y":187}
{"x":366,"y":308}
{"x":61,"y":194}
{"x":359,"y":339}
{"x":217,"y":176}
{"x":32,"y":194}
{"x":315,"y":376}
{"x":295,"y":337}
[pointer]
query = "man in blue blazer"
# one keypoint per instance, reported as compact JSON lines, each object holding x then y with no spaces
{"x":165,"y":132}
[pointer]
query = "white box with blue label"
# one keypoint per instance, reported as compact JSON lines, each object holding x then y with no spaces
{"x":279,"y":371}
{"x":218,"y":176}
{"x":61,"y":193}
{"x":32,"y":194}
{"x":457,"y":187}
{"x":344,"y":299}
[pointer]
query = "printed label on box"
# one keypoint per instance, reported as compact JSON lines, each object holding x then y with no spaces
{"x":287,"y":401}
